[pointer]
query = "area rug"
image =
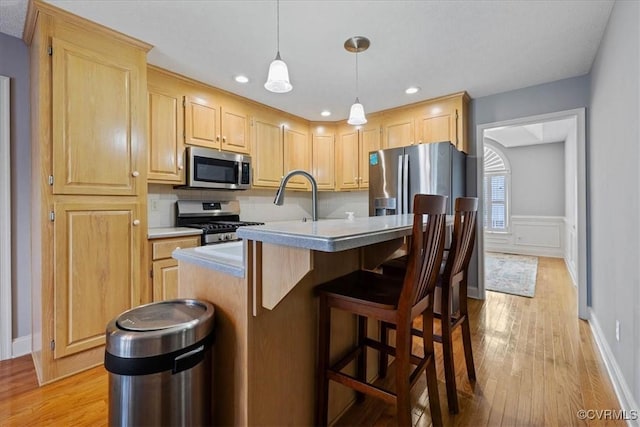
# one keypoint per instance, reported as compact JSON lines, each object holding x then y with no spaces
{"x":510,"y":274}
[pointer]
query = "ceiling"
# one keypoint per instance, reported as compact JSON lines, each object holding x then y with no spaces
{"x":483,"y":47}
{"x":537,"y":133}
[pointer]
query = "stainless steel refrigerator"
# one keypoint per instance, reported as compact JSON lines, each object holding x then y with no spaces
{"x":397,"y":174}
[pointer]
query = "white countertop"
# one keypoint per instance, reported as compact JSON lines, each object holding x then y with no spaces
{"x":225,"y":257}
{"x":331,"y":235}
{"x":162,"y":232}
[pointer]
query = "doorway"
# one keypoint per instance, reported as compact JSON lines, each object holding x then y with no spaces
{"x":574,"y":234}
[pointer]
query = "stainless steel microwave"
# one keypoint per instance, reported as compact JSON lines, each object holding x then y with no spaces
{"x":208,"y":168}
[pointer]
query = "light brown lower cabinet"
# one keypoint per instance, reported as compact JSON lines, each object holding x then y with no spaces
{"x":164,"y":269}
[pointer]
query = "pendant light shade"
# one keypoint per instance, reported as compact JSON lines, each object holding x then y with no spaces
{"x":278,"y":77}
{"x":356,"y":114}
{"x":356,"y":45}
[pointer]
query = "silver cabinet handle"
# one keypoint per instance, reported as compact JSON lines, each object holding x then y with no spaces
{"x":136,"y":222}
{"x":135,"y":173}
{"x":180,"y":167}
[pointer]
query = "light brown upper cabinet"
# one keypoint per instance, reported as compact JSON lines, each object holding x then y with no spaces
{"x":398,"y":129}
{"x":96,"y":150}
{"x":208,"y":124}
{"x":444,"y":119}
{"x":268,"y":150}
{"x":297,"y":155}
{"x":201,"y":122}
{"x":323,"y":155}
{"x":279,"y":145}
{"x":166,"y":149}
{"x":352,"y":153}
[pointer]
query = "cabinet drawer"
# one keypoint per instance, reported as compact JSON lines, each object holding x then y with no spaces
{"x":161,"y":249}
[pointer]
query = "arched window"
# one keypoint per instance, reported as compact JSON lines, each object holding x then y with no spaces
{"x":497,"y":178}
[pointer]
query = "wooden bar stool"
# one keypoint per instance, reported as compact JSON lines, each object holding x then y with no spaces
{"x":394,"y":301}
{"x":450,"y":296}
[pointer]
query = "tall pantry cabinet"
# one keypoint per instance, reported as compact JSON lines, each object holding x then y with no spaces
{"x":89,"y":166}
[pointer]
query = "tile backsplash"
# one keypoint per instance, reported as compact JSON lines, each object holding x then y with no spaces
{"x":257,"y":205}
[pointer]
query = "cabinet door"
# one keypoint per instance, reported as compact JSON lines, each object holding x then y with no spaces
{"x":96,"y":107}
{"x":97,"y":259}
{"x":398,"y":130}
{"x":297,"y":155}
{"x":201,"y":122}
{"x":347,"y":160}
{"x":370,"y":141}
{"x":438,"y":128}
{"x":165,"y":279}
{"x":235,"y":130}
{"x":166,"y":150}
{"x":268,"y":156}
{"x":324,"y":161}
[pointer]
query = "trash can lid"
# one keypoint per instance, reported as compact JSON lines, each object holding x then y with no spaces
{"x":161,"y":315}
{"x":159,"y":328}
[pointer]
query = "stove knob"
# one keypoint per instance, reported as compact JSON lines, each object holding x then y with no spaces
{"x":229,"y":236}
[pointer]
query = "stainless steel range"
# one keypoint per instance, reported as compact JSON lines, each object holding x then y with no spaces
{"x":217,"y":220}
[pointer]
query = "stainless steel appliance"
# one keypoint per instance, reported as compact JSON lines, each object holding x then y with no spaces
{"x":397,"y":174}
{"x":207,"y":168}
{"x":217,"y":220}
{"x":160,"y":364}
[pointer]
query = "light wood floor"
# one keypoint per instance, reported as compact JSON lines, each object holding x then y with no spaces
{"x":536,"y":364}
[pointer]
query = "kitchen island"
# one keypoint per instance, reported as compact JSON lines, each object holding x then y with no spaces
{"x":266,"y":311}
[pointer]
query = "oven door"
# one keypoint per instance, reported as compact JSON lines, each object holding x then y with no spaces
{"x":207,"y":168}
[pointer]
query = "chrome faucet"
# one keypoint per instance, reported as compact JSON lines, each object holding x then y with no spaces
{"x":279,"y":200}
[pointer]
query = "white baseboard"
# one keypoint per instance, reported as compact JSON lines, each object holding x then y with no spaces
{"x":622,"y":390}
{"x":21,"y":346}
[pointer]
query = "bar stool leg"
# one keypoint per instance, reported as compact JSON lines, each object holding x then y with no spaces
{"x":468,"y":353}
{"x":383,"y":361}
{"x":430,"y":372}
{"x":362,"y":358}
{"x":403,"y":386}
{"x":322,"y":399}
{"x":449,"y":370}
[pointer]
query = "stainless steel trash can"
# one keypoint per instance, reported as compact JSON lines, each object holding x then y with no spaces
{"x":159,"y":361}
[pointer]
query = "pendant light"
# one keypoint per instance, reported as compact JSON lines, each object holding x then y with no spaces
{"x":356,"y":45}
{"x":278,"y":78}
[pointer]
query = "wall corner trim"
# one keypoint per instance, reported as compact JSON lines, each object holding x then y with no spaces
{"x":620,"y":386}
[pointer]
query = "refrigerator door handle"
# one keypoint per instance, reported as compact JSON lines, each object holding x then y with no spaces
{"x":400,"y":191}
{"x":405,"y":182}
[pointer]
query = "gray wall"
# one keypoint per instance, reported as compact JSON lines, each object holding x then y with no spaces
{"x":537,"y":179}
{"x":560,"y":95}
{"x":15,"y":64}
{"x":614,"y":156}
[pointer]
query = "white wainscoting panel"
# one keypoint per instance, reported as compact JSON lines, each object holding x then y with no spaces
{"x":530,"y":235}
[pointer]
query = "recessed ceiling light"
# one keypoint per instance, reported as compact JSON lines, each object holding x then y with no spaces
{"x":411,"y":90}
{"x":325,"y":113}
{"x":242,"y":79}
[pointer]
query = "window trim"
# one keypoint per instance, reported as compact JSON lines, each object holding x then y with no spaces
{"x":506,"y":171}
